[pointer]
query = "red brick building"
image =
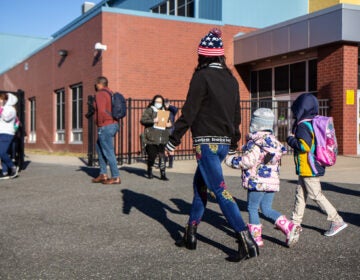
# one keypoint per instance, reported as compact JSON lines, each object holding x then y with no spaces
{"x":146,"y":55}
{"x":316,"y":53}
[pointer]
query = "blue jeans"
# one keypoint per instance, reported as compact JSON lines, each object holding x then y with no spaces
{"x":263,"y":200}
{"x":105,"y":149}
{"x":209,"y":175}
{"x":5,"y":142}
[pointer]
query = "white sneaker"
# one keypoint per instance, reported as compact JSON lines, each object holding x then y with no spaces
{"x":335,"y":228}
{"x":4,"y":176}
{"x":14,"y":172}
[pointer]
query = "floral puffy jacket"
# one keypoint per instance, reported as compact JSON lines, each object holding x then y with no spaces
{"x":259,"y":162}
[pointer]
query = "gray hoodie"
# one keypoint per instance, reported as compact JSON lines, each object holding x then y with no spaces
{"x":8,"y":115}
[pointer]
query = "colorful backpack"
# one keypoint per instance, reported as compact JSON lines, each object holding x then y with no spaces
{"x":326,"y":147}
{"x":326,"y":143}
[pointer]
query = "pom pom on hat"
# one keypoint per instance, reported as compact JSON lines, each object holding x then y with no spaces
{"x":262,"y":119}
{"x":211,"y":44}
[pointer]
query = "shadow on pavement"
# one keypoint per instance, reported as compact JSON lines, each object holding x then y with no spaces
{"x":134,"y":170}
{"x":90,"y":171}
{"x":151,"y":207}
{"x":351,"y":218}
{"x":334,"y":188}
{"x":156,"y":210}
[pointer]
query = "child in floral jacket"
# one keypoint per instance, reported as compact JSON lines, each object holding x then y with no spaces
{"x":260,"y":175}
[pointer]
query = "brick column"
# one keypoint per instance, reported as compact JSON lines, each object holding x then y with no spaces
{"x":337,"y":72}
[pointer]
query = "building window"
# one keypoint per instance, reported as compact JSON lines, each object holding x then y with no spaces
{"x":185,"y":8}
{"x":265,"y":83}
{"x":32,"y":135}
{"x":254,"y":84}
{"x":281,"y":79}
{"x":284,"y":80}
{"x":60,"y":116}
{"x":312,"y":75}
{"x":77,"y":112}
{"x":298,"y":77}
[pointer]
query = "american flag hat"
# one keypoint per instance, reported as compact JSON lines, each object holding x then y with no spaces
{"x":211,"y":44}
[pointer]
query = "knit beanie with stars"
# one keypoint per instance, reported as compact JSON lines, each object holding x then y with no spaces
{"x":211,"y":44}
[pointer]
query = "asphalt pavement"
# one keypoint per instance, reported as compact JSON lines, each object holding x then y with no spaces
{"x":56,"y":224}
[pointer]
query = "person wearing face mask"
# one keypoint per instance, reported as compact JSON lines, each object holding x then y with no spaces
{"x":156,"y":137}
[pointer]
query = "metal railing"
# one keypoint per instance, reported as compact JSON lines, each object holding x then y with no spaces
{"x":128,"y":144}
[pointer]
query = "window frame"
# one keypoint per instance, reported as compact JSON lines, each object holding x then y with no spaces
{"x":60,"y":103}
{"x":173,"y":7}
{"x":77,"y":114}
{"x":32,"y":119}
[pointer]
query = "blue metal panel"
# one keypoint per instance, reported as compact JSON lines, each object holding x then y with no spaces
{"x":139,"y":5}
{"x":210,"y":9}
{"x":261,"y":13}
{"x":351,"y":23}
{"x":334,"y":24}
{"x":280,"y":40}
{"x":15,"y":48}
{"x":325,"y":28}
{"x":299,"y":36}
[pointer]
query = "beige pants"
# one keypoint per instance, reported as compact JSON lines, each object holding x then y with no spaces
{"x":311,"y":187}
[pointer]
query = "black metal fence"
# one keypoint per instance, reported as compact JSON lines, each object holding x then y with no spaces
{"x":128,"y":144}
{"x":16,"y":149}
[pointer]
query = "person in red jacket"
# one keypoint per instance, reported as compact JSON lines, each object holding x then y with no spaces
{"x":107,"y":128}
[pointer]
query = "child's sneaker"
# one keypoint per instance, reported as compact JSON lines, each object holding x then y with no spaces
{"x":335,"y":228}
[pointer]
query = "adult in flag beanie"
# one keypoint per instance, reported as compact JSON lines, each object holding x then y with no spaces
{"x":211,"y":44}
{"x":212,"y":113}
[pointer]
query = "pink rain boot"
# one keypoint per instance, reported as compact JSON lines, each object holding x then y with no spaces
{"x":291,"y":230}
{"x":255,"y":231}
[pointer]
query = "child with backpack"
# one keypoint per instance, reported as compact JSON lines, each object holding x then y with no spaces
{"x":260,"y":175}
{"x":305,"y":108}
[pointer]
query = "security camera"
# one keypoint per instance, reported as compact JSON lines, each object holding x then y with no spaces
{"x":100,"y":47}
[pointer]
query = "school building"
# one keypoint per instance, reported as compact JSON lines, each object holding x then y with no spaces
{"x":276,"y":49}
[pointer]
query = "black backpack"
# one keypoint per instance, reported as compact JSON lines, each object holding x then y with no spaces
{"x":118,"y":105}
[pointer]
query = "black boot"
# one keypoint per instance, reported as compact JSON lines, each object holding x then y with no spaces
{"x":149,"y":172}
{"x":247,"y":246}
{"x":171,"y":161}
{"x":163,"y":175}
{"x":189,"y":238}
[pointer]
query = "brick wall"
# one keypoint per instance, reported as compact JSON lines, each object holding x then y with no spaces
{"x":44,"y":76}
{"x":337,"y":72}
{"x":145,"y":56}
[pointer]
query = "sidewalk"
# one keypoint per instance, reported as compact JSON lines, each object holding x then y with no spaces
{"x":56,"y":224}
{"x":346,"y":169}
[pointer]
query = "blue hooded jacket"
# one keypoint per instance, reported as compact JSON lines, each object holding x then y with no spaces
{"x":304,"y":109}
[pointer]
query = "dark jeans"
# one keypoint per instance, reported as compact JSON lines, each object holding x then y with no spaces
{"x":152,"y":151}
{"x":105,"y":149}
{"x":209,"y":175}
{"x":5,"y":142}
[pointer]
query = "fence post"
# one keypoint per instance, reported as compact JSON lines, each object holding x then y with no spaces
{"x":129,"y":129}
{"x":21,"y":115}
{"x":90,"y":132}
